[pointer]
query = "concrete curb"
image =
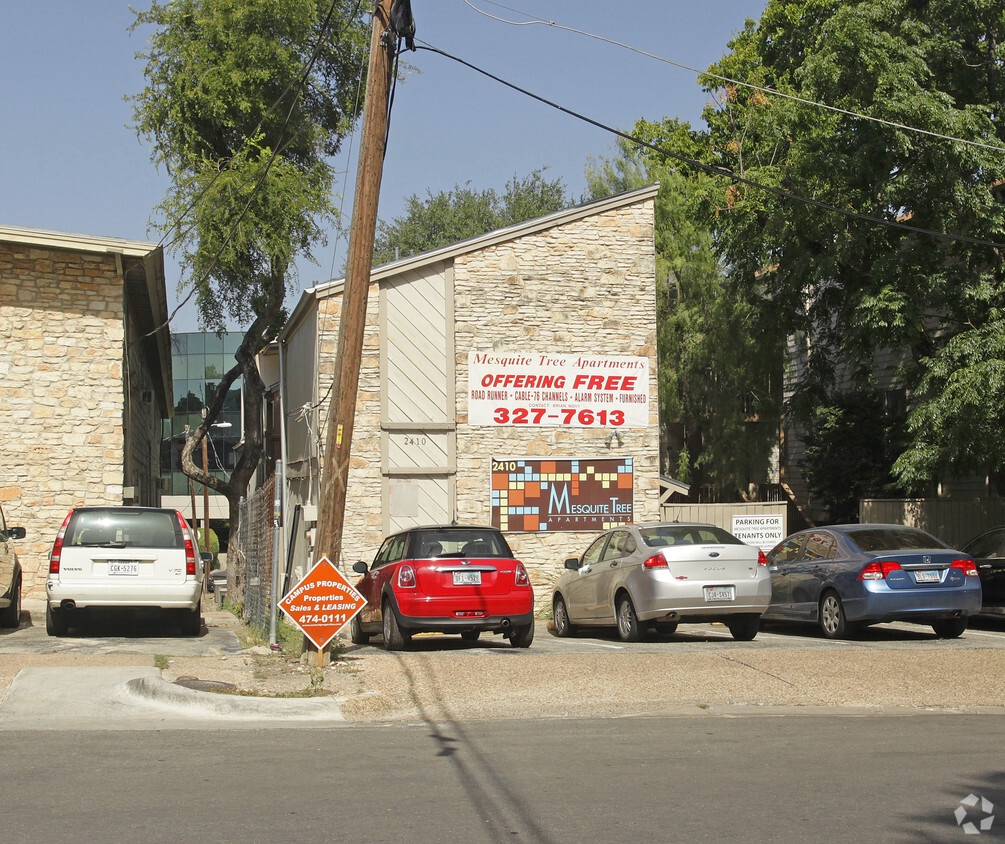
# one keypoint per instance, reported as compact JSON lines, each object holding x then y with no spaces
{"x":161,"y":693}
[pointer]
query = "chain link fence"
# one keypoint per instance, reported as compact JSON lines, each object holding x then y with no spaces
{"x":253,"y":555}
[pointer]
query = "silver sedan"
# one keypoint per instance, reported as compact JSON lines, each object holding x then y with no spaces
{"x":638,"y":577}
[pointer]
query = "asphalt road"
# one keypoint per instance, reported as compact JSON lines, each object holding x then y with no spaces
{"x":648,"y":779}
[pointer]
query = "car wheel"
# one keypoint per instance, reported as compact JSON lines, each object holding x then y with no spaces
{"x":666,"y":628}
{"x":832,"y":619}
{"x":470,"y":635}
{"x":394,"y":639}
{"x":522,"y":636}
{"x":191,"y":622}
{"x":563,"y":627}
{"x":56,"y":623}
{"x":11,"y":616}
{"x":950,"y":628}
{"x":629,"y":628}
{"x":744,"y":627}
{"x":356,"y":634}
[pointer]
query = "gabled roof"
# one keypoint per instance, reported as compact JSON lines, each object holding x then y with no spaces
{"x":473,"y":244}
{"x":142,"y":267}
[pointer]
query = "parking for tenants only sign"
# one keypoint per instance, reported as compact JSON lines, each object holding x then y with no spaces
{"x":322,"y":603}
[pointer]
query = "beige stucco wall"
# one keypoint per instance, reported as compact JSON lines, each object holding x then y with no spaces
{"x":61,"y":392}
{"x":585,"y":287}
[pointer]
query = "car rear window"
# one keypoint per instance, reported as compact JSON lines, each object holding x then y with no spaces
{"x":893,"y":539}
{"x":663,"y":535}
{"x":458,"y":543}
{"x":124,"y":529}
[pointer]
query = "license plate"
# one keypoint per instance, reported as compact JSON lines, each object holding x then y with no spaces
{"x":467,"y":578}
{"x":718,"y":593}
{"x":123,"y":566}
{"x":926,"y":577}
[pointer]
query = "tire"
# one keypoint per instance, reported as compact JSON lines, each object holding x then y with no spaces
{"x":832,"y":619}
{"x":950,"y":628}
{"x":666,"y":628}
{"x":356,"y":634}
{"x":470,"y":635}
{"x":522,"y":636}
{"x":11,"y":616}
{"x":56,"y":623}
{"x":629,"y":628}
{"x":563,"y":627}
{"x":191,"y":622}
{"x":744,"y":627}
{"x":394,"y":639}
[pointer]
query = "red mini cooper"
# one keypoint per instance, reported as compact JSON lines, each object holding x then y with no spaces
{"x":446,"y":579}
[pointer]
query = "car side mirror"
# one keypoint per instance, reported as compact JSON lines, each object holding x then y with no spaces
{"x":206,"y":556}
{"x":572,"y":563}
{"x":359,"y":568}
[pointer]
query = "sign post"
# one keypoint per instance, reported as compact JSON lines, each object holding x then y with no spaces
{"x":322,"y":603}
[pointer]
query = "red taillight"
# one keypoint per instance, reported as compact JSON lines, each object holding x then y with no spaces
{"x":657,"y":562}
{"x":878,"y":570}
{"x":521,"y":577}
{"x":969,"y":567}
{"x":761,"y":559}
{"x":406,"y":577}
{"x":57,"y":546}
{"x":190,"y":560}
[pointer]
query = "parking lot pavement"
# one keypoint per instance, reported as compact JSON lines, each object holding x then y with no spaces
{"x":700,"y":669}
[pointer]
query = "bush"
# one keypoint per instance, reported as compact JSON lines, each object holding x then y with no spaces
{"x":214,"y":545}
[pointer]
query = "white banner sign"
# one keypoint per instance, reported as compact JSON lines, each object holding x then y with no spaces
{"x":583,"y":391}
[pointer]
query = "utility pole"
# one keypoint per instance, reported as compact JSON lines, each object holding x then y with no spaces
{"x":352,"y":323}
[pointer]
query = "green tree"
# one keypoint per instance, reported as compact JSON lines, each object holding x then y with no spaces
{"x":853,"y":286}
{"x":463,"y":212}
{"x":719,"y":353}
{"x":245,"y":103}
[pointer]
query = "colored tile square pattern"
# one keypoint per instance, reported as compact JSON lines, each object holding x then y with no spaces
{"x":566,"y":495}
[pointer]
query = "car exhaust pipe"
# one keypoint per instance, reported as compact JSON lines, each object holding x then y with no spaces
{"x":67,"y":604}
{"x":505,"y":624}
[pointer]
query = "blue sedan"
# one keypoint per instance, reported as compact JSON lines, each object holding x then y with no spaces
{"x":846,"y":576}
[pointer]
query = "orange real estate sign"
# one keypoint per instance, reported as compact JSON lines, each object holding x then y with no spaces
{"x":322,"y":603}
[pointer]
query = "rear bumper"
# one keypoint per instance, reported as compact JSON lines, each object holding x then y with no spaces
{"x":687,"y":600}
{"x":885,"y":604}
{"x":493,"y":623}
{"x":186,"y":595}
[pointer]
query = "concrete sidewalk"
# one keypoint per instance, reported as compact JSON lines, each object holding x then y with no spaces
{"x":137,"y":698}
{"x":111,"y":682}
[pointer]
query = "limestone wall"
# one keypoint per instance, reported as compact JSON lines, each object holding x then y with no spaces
{"x":586,"y":287}
{"x":61,"y":393}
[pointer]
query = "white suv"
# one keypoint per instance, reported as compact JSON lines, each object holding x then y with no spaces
{"x":124,"y":557}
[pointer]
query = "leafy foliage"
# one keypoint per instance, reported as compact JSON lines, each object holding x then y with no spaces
{"x":851,"y":441}
{"x":719,"y":351}
{"x":463,"y":212}
{"x":849,"y":285}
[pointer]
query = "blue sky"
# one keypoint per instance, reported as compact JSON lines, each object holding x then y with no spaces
{"x":70,"y":161}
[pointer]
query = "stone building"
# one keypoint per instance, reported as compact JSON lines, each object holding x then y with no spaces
{"x":83,"y":388}
{"x":509,"y":379}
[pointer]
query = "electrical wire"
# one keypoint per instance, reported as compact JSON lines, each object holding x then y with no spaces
{"x":772,"y":91}
{"x":718,"y":171}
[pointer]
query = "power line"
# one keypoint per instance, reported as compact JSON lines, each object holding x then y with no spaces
{"x":771,"y":91}
{"x":716,"y":171}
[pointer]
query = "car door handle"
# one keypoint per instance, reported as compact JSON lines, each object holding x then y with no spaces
{"x":614,"y":564}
